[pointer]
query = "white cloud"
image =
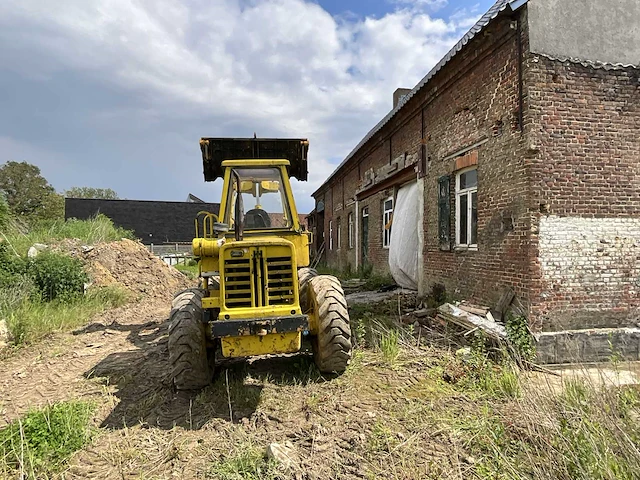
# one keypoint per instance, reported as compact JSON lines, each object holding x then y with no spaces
{"x":277,"y":67}
{"x":430,"y":4}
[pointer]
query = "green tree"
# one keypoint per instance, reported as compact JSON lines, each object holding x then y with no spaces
{"x":90,"y":192}
{"x":4,"y":211}
{"x":28,"y":193}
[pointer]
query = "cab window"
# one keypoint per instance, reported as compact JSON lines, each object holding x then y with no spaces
{"x":264,"y":203}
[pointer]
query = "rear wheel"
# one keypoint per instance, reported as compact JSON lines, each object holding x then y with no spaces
{"x":332,"y":343}
{"x":187,"y":342}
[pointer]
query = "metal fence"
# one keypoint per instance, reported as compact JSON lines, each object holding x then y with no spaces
{"x":172,"y":253}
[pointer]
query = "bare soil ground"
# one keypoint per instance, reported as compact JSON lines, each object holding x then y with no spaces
{"x":390,"y":415}
{"x":340,"y":427}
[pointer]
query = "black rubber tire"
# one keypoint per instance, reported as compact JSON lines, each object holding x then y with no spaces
{"x":332,"y":344}
{"x":304,"y":275}
{"x":187,"y":342}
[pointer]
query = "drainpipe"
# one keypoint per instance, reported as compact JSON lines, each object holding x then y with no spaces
{"x":357,"y":237}
{"x":520,"y":80}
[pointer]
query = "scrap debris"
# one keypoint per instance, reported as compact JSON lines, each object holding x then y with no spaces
{"x":472,"y":318}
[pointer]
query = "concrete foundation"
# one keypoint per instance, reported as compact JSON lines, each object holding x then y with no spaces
{"x":582,"y":346}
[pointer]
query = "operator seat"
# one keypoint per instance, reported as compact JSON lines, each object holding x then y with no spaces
{"x":257,"y":218}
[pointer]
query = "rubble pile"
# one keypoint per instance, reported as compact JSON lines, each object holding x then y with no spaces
{"x":131,"y":265}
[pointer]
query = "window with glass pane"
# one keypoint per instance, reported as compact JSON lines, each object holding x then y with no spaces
{"x":467,"y":208}
{"x":386,"y":222}
{"x":264,"y":202}
{"x":350,"y":226}
{"x":339,"y":234}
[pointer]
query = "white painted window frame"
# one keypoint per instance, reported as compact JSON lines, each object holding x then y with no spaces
{"x":386,"y":233}
{"x":330,"y":234}
{"x":460,"y":193}
{"x":339,"y":235}
{"x":350,"y":229}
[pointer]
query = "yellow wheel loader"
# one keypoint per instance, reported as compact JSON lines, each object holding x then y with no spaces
{"x":257,"y":294}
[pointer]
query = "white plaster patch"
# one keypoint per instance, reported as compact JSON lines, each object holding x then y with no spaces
{"x":591,"y":256}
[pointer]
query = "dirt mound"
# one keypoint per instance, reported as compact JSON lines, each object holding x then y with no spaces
{"x":131,"y":265}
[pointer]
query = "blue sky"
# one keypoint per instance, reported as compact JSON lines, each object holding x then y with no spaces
{"x":116,"y":93}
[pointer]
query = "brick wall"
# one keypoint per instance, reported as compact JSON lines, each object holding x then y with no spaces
{"x":590,"y":266}
{"x":477,"y":100}
{"x":585,"y":160}
{"x":558,"y":196}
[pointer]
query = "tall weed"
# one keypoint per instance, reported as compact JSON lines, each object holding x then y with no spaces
{"x":30,"y":319}
{"x":95,"y":230}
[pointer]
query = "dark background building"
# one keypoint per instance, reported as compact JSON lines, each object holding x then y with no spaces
{"x":151,"y":221}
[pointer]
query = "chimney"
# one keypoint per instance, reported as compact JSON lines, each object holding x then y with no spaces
{"x":398,"y":95}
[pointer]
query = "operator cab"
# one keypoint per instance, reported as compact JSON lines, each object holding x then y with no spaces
{"x":260,"y":195}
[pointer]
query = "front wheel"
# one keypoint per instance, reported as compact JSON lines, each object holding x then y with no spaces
{"x":187,"y":342}
{"x":332,"y":341}
{"x":304,"y":275}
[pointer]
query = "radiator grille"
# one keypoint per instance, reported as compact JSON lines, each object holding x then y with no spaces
{"x":238,"y":284}
{"x":258,"y":280}
{"x":279,"y":289}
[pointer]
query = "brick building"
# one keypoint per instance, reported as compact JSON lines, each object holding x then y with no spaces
{"x":524,"y":143}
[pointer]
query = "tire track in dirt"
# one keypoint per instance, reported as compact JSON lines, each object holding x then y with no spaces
{"x":59,"y":368}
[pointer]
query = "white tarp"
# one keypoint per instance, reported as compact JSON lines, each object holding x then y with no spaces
{"x":403,"y":251}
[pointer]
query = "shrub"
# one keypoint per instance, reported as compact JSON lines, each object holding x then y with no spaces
{"x":12,"y":267}
{"x":57,"y":276}
{"x":520,"y":338}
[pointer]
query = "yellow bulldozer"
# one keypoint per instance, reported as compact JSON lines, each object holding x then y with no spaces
{"x":257,"y":294}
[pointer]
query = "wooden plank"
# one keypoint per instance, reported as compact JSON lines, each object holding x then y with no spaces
{"x":505,"y":300}
{"x":472,"y":309}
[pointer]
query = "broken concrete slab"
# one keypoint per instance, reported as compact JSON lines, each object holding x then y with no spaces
{"x":374,"y":297}
{"x":598,"y":377}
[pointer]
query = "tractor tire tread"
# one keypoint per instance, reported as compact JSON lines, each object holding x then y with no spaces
{"x":304,"y":275}
{"x":187,"y":342}
{"x":332,"y":345}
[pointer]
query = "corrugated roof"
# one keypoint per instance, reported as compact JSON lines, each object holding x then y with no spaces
{"x":491,"y":14}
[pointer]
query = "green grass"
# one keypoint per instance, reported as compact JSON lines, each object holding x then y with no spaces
{"x":30,"y":320}
{"x":190,"y":271}
{"x":248,"y":463}
{"x":95,"y":230}
{"x":45,"y":295}
{"x":39,"y":444}
{"x":389,"y":346}
{"x":584,"y":431}
{"x":373,"y":281}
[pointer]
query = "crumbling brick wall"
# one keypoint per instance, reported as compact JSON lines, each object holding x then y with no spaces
{"x":558,"y":182}
{"x":477,"y":100}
